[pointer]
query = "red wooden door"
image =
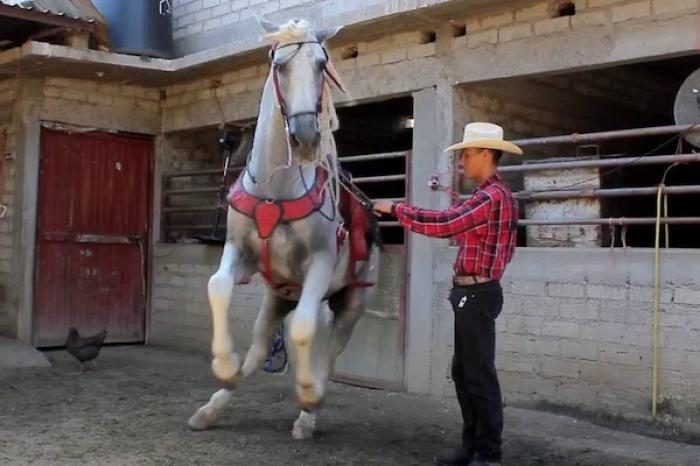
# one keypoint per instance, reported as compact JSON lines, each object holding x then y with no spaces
{"x":93,"y":219}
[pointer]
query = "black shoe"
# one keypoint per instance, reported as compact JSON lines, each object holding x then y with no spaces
{"x":480,"y":461}
{"x":454,"y":457}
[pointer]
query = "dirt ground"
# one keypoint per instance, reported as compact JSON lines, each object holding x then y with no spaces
{"x":132,"y":410}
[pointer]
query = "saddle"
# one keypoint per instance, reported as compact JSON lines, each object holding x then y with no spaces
{"x":268,"y":214}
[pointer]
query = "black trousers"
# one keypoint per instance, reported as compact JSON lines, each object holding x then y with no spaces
{"x":473,"y":367}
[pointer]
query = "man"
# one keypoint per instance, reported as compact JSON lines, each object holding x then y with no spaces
{"x":485,"y":228}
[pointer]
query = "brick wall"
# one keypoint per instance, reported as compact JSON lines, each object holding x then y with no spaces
{"x":576,"y":329}
{"x":8,"y":93}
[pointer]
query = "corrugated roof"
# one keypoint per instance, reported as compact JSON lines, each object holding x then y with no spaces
{"x":74,"y":9}
{"x":20,"y":20}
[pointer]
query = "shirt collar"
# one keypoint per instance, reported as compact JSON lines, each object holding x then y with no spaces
{"x":495,"y":178}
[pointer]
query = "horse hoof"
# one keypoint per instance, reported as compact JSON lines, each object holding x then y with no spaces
{"x":227,"y":370}
{"x":304,"y":427}
{"x":201,"y":420}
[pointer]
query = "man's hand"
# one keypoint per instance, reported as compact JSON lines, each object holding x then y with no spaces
{"x":383,"y":207}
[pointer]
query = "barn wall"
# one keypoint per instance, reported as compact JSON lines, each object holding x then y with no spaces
{"x":8,"y":284}
{"x":199,"y":25}
{"x":180,"y":316}
{"x":576,"y":329}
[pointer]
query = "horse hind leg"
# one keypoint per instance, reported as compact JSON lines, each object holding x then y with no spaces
{"x":269,"y":317}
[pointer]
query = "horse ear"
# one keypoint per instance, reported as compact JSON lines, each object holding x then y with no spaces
{"x":326,"y":33}
{"x":268,"y":26}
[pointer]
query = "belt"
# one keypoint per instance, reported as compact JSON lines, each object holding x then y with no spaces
{"x":469,"y":280}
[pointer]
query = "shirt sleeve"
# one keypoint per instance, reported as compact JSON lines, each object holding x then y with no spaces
{"x":444,"y":223}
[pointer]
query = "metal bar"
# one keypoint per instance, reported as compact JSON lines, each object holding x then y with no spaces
{"x":176,"y":210}
{"x":596,"y":193}
{"x":389,"y":224}
{"x":610,"y":221}
{"x":380,"y":179}
{"x":177,"y":192}
{"x":617,"y":162}
{"x":203,"y":172}
{"x":606,"y":135}
{"x":189,"y":227}
{"x":369,"y":157}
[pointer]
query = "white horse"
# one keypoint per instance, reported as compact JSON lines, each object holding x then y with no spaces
{"x":284,"y":224}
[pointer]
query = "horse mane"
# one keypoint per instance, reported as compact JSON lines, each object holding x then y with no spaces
{"x":293,"y":30}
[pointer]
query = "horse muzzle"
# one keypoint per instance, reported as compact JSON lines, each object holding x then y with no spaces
{"x":304,"y":132}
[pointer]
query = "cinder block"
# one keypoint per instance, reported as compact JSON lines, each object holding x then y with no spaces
{"x":590,"y":19}
{"x":631,"y":11}
{"x":623,"y":356}
{"x":615,"y":293}
{"x":74,"y":94}
{"x":566,"y":290}
{"x":536,"y":11}
{"x":202,"y":15}
{"x":518,"y":31}
{"x":406,"y":38}
{"x":571,"y":349}
{"x":686,"y":296}
{"x":599,"y":3}
{"x":394,"y":56}
{"x":212,"y":24}
{"x":645,"y":294}
{"x":367,"y":59}
{"x":421,"y":51}
{"x":528,"y":288}
{"x":524,"y":325}
{"x":560,"y":329}
{"x":552,"y":26}
{"x":660,"y":7}
{"x":560,"y":368}
{"x":578,"y":309}
{"x":482,"y":38}
{"x":498,"y":20}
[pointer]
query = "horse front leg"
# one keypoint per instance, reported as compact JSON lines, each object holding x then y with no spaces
{"x":303,"y":327}
{"x":271,"y":312}
{"x":225,"y":363}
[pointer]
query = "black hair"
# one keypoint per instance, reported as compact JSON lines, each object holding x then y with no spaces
{"x":497,"y":154}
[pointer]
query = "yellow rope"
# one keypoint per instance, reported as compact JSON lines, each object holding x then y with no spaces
{"x":655,"y":328}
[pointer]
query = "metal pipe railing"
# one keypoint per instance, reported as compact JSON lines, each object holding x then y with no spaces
{"x":602,"y":163}
{"x":599,"y":193}
{"x":371,"y":157}
{"x":607,"y":135}
{"x":379,"y":179}
{"x":616,"y":221}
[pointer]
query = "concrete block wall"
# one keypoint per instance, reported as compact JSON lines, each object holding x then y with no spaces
{"x":235,"y":95}
{"x":204,"y":24}
{"x":180,"y":316}
{"x":522,"y":20}
{"x":576,"y":329}
{"x":8,"y":95}
{"x":91,"y":103}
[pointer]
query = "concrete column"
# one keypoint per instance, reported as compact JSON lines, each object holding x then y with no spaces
{"x":433,"y":131}
{"x":28,"y":110}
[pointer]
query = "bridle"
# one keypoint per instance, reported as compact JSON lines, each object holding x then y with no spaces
{"x":326,"y":75}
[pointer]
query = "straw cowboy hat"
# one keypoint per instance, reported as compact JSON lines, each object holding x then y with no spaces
{"x":485,"y":136}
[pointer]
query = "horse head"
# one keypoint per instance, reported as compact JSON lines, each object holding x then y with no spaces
{"x":300,"y":69}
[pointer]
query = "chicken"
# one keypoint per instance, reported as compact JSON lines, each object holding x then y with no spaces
{"x":84,"y":349}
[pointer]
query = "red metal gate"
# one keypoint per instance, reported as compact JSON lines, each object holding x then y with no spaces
{"x":93,"y":219}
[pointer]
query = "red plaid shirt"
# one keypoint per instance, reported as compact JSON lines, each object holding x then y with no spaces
{"x":485,"y":228}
